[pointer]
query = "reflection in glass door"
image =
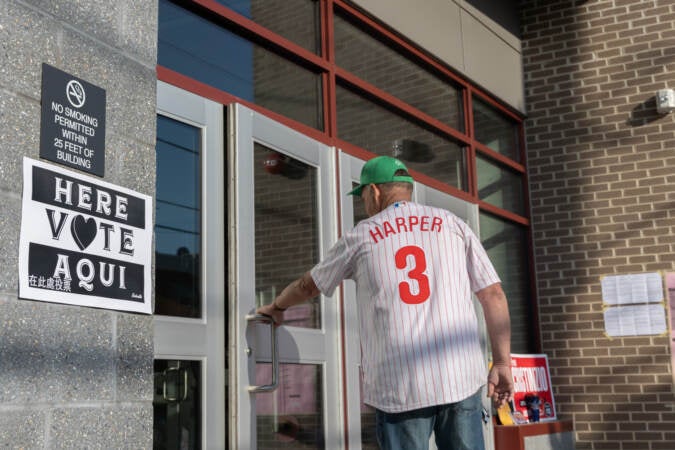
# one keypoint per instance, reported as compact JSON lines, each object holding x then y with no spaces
{"x":286,"y":245}
{"x":177,"y":219}
{"x":291,"y":417}
{"x":189,"y":331}
{"x":284,"y":219}
{"x":177,"y":405}
{"x":286,"y":228}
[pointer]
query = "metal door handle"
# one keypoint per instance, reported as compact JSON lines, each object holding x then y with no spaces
{"x":275,"y":353}
{"x":165,"y":374}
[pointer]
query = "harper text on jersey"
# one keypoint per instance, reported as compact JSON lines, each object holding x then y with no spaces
{"x":405,"y":225}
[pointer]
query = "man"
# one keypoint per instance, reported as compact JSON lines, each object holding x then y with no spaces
{"x":415,"y":267}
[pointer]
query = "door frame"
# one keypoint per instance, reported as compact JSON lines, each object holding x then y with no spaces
{"x":295,"y":345}
{"x":225,"y":223}
{"x":202,"y":339}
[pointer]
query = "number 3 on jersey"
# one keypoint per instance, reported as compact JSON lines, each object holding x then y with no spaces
{"x":415,"y":273}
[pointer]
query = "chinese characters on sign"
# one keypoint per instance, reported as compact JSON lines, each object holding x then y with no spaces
{"x":72,"y":129}
{"x":84,"y":241}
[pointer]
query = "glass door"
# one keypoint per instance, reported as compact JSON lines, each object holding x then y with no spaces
{"x":189,"y":322}
{"x":285,"y":381}
{"x":360,"y":417}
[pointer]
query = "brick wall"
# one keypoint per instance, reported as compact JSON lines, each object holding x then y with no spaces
{"x":601,"y":164}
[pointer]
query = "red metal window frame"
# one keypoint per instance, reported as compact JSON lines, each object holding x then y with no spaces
{"x":332,"y":75}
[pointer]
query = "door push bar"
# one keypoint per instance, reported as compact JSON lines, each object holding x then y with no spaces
{"x":262,"y":318}
{"x":178,"y":398}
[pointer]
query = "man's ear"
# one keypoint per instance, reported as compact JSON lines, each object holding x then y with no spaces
{"x":377,"y":196}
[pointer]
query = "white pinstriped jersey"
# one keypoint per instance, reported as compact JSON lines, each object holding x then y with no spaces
{"x":415,"y":267}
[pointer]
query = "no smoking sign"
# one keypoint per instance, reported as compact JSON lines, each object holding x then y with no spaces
{"x":72,"y":130}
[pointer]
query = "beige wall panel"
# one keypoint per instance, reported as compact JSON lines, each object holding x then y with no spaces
{"x":492,"y":62}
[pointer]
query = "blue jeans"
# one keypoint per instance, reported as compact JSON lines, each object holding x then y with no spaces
{"x":457,"y":426}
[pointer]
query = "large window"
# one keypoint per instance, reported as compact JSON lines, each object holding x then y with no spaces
{"x":351,"y":82}
{"x":495,"y":130}
{"x":387,"y":69}
{"x":506,"y":245}
{"x":295,"y":20}
{"x":368,"y":125}
{"x":500,"y":186}
{"x":210,"y":53}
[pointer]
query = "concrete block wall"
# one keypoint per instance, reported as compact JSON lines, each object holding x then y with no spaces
{"x":74,"y":377}
{"x":602,"y":180}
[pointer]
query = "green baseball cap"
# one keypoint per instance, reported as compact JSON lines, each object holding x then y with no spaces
{"x":381,"y":169}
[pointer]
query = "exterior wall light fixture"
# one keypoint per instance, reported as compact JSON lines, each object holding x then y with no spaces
{"x":665,"y":101}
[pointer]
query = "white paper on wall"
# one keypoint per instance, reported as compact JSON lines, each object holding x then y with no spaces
{"x":635,"y":320}
{"x":635,"y":288}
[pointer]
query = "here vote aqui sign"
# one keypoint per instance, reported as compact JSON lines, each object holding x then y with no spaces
{"x":84,"y":241}
{"x":72,"y":129}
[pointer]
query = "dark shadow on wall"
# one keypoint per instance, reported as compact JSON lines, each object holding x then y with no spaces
{"x":63,"y":368}
{"x":504,"y":12}
{"x":644,"y":113}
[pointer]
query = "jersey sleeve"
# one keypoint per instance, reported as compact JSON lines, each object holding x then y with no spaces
{"x":335,"y":267}
{"x":481,"y":271}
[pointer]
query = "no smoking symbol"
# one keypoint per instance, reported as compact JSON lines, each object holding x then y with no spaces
{"x":75,"y":93}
